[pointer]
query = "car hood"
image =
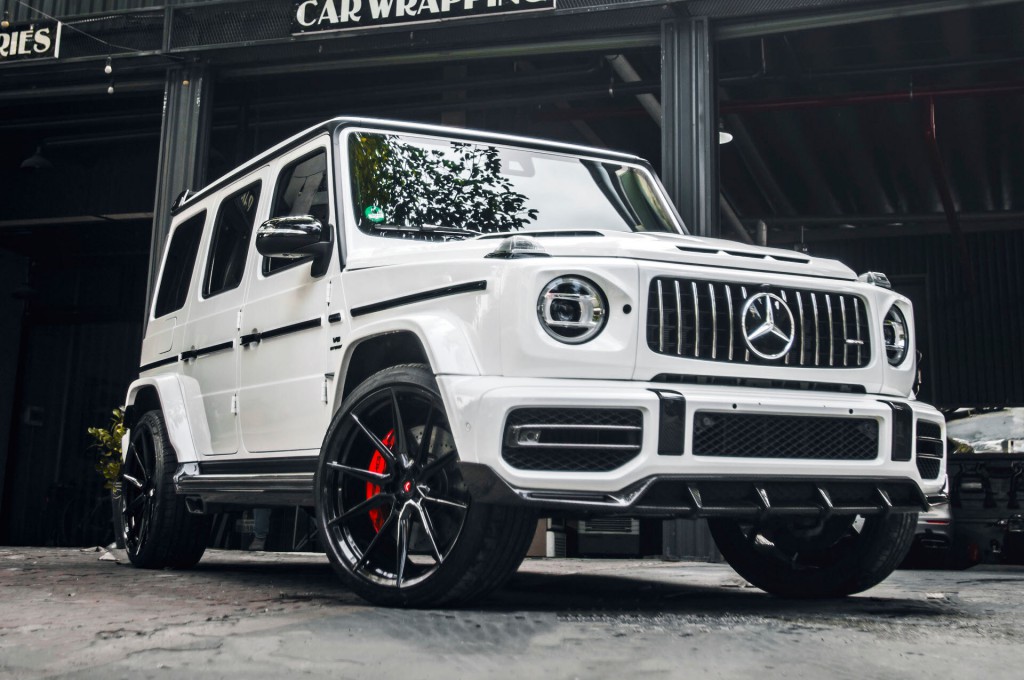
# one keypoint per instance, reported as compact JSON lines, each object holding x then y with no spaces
{"x":656,"y":247}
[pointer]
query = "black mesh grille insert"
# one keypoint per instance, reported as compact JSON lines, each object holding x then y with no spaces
{"x":704,"y":320}
{"x":743,"y":435}
{"x":572,"y":439}
{"x":931,"y":449}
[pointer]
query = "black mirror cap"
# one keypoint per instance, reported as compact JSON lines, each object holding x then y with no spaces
{"x":296,"y":237}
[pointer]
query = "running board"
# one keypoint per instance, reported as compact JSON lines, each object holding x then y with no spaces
{"x":250,"y":489}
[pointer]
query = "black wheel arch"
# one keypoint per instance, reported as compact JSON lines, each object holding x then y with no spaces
{"x":374,"y":354}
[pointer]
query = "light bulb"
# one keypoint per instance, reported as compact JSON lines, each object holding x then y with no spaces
{"x":109,"y":68}
{"x":110,"y":89}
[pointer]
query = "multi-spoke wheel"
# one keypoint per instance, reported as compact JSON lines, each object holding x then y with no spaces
{"x":810,"y":558}
{"x":398,"y":520}
{"x":158,"y":530}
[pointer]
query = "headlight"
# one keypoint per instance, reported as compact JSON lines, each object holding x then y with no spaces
{"x":896,"y":335}
{"x":572,"y":309}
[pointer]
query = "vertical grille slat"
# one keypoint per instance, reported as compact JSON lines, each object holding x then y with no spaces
{"x":829,"y":329}
{"x":661,"y":318}
{"x":696,"y":320}
{"x":846,"y":335}
{"x":800,"y":325}
{"x":831,"y":332}
{"x":714,"y":322}
{"x":817,"y":334}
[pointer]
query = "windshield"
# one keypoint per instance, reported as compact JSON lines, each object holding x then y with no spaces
{"x":419,"y":187}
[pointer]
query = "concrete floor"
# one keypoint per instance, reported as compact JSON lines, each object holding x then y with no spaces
{"x":69,"y":613}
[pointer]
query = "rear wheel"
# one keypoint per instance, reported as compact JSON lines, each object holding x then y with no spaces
{"x":158,"y":531}
{"x":399,"y":523}
{"x":832,"y":558}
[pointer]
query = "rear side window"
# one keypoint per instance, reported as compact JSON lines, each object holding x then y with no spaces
{"x":301,"y":190}
{"x":181,"y":259}
{"x":230,"y":244}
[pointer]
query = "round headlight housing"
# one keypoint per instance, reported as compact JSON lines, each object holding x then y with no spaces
{"x":896,"y":335}
{"x":572,"y":309}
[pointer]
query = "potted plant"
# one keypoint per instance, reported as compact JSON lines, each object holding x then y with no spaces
{"x":107,"y":441}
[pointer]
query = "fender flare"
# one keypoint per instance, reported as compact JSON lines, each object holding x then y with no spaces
{"x":447,"y":347}
{"x":181,"y":405}
{"x":444,"y":340}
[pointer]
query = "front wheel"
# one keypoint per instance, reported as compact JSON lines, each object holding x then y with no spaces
{"x":810,"y":559}
{"x":399,"y":524}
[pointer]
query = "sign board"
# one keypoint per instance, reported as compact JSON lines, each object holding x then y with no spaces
{"x":38,"y":40}
{"x":312,"y":16}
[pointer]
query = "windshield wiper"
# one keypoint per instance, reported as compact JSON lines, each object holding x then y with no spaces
{"x":427,"y":229}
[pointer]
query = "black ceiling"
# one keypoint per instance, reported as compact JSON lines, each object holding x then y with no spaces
{"x":832,"y":126}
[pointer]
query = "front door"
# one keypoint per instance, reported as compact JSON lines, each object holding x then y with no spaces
{"x":285,"y":321}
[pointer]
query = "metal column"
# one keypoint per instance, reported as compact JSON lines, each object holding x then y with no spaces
{"x":183,"y":144}
{"x":689,"y":135}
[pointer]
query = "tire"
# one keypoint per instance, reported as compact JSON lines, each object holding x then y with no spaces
{"x":835,"y":558}
{"x":158,"y":531}
{"x":395,"y":516}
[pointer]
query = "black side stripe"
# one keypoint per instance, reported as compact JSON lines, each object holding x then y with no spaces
{"x":278,"y":332}
{"x":194,"y":353}
{"x":158,"y":364}
{"x":419,"y":297}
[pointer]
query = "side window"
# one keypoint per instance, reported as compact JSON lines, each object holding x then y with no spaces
{"x":301,"y":190}
{"x":230,"y":244}
{"x":181,"y":258}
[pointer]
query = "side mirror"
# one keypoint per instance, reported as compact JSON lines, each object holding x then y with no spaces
{"x":296,"y":237}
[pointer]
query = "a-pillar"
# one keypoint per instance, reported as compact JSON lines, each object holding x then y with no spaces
{"x":690,"y":127}
{"x":184,"y":138}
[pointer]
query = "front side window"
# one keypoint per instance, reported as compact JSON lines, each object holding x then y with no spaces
{"x":420,"y":187}
{"x":301,"y":190}
{"x":181,"y":258}
{"x":230,"y":244}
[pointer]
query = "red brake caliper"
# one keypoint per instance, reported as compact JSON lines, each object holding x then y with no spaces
{"x":378,"y":465}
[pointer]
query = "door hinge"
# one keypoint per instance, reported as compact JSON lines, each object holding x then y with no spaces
{"x":238,"y":321}
{"x":234,"y":404}
{"x":323,"y":390}
{"x":329,"y":284}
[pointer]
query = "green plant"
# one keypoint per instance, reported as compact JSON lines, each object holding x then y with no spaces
{"x":108,"y":443}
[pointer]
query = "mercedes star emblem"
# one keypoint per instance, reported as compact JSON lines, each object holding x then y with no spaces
{"x":767,"y":325}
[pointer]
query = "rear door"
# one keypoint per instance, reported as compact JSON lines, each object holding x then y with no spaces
{"x":285,"y":322}
{"x":209,"y":347}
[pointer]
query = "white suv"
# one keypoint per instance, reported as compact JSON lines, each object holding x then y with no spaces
{"x":434,"y":335}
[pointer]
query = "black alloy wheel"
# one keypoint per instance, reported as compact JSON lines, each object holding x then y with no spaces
{"x":138,"y":492}
{"x":397,"y":518}
{"x":801,"y":558}
{"x":158,"y":530}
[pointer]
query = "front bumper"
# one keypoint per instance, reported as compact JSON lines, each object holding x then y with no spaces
{"x":479,"y":407}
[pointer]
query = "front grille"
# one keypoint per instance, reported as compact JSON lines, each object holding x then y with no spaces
{"x":704,"y":320}
{"x":572,"y":439}
{"x":742,"y":435}
{"x":931,"y":449}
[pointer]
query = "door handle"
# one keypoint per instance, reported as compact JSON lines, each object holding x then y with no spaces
{"x":250,"y":338}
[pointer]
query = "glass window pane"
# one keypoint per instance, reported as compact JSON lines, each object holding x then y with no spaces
{"x":230,"y":244}
{"x":301,"y":190}
{"x":181,"y":258}
{"x":419,"y":187}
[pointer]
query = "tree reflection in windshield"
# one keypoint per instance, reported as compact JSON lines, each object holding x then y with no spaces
{"x":457,"y":186}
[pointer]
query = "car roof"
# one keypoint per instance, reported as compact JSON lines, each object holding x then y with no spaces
{"x":187,"y":198}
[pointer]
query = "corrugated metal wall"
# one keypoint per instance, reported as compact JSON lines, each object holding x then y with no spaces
{"x":973,"y":352}
{"x":25,"y":11}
